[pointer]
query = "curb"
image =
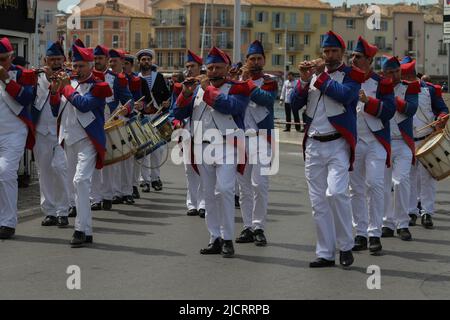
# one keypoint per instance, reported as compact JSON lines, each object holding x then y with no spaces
{"x":30,"y":212}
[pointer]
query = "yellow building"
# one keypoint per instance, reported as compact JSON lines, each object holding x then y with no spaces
{"x":178,"y":26}
{"x":304,"y":21}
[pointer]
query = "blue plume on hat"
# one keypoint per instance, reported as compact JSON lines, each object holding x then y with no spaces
{"x":255,"y":48}
{"x":55,"y":49}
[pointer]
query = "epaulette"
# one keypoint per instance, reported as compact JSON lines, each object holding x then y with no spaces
{"x":27,"y":77}
{"x":241,"y":87}
{"x":386,"y":86}
{"x":135,"y":84}
{"x":356,"y":74}
{"x":101,"y":90}
{"x":123,"y":81}
{"x":413,"y":87}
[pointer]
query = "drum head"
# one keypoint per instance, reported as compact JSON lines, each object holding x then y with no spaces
{"x":430,"y":142}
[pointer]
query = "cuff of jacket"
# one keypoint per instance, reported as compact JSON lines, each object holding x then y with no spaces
{"x":400,"y":105}
{"x":211,"y":94}
{"x":68,"y":91}
{"x":373,"y":107}
{"x":13,"y":88}
{"x":321,"y":80}
{"x":182,"y":101}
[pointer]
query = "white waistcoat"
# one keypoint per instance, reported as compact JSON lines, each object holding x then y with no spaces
{"x":74,"y":121}
{"x":9,"y":110}
{"x":320,"y":106}
{"x":366,"y":123}
{"x":209,"y":117}
{"x":399,"y":91}
{"x":424,"y":114}
{"x":254,"y":113}
{"x":47,"y":122}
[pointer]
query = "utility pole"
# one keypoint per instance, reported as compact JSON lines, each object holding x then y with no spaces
{"x":212,"y":23}
{"x":237,"y":31}
{"x":285,"y":51}
{"x":204,"y":30}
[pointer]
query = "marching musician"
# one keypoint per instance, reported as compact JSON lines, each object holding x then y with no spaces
{"x":329,"y":90}
{"x":102,"y":180}
{"x":79,"y":106}
{"x":16,"y":132}
{"x":396,"y":203}
{"x":135,"y":85}
{"x":101,"y":57}
{"x":195,"y":200}
{"x":216,"y":104}
{"x":160,"y":94}
{"x":123,"y":170}
{"x":431,"y":107}
{"x":259,"y":117}
{"x":49,"y":155}
{"x":374,"y":110}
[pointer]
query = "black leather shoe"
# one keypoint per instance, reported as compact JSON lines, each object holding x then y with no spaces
{"x":62,"y":222}
{"x":117,"y":200}
{"x":201,"y":213}
{"x":89,"y":239}
{"x":7,"y":232}
{"x":346,"y":258}
{"x":128,"y":200}
{"x":136,"y":194}
{"x":387,"y":232}
{"x":192,"y":212}
{"x":360,"y":243}
{"x":404,"y":234}
{"x":237,"y":205}
{"x":321,"y":263}
{"x":246,"y":236}
{"x":49,"y":221}
{"x":213,"y":248}
{"x":374,"y":245}
{"x":260,"y":238}
{"x":107,"y":205}
{"x":227,"y":249}
{"x":427,"y":221}
{"x":96,"y":206}
{"x":72,"y":212}
{"x":146,"y":188}
{"x":157,"y":185}
{"x":78,"y":239}
{"x":412,"y":219}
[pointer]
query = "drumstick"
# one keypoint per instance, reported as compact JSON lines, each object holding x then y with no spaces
{"x":116,"y":112}
{"x":433,"y":123}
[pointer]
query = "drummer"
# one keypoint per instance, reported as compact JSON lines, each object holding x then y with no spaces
{"x":135,"y":84}
{"x":122,"y":171}
{"x":402,"y":144}
{"x":431,"y":107}
{"x":157,"y":88}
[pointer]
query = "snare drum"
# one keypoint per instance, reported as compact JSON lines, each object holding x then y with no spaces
{"x":434,"y":154}
{"x":120,"y":145}
{"x":164,"y":127}
{"x":154,"y":140}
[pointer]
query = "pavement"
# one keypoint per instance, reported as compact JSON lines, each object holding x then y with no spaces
{"x":150,"y":250}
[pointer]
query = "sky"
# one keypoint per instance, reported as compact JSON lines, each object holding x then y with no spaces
{"x":64,"y":4}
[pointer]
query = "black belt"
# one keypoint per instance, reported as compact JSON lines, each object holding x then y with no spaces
{"x":328,"y":138}
{"x":422,"y":138}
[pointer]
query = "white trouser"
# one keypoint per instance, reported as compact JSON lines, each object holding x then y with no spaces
{"x":52,"y":167}
{"x":96,"y":186}
{"x":127,"y":176}
{"x":423,"y":188}
{"x":236,"y":188}
{"x":326,"y":170}
{"x":194,"y":197}
{"x":156,"y":161}
{"x":12,"y":146}
{"x":367,"y":188}
{"x":145,"y":168}
{"x":396,"y":204}
{"x":254,"y":187}
{"x":136,"y":171}
{"x":218,"y":187}
{"x":81,"y":158}
{"x":116,"y":178}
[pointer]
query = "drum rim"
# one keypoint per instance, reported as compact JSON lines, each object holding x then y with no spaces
{"x":114,"y":124}
{"x":121,"y":158}
{"x":425,"y":152}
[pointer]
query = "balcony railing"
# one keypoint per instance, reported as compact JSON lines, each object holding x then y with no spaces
{"x":247,"y":24}
{"x":442,"y":52}
{"x":180,"y":22}
{"x":301,"y":27}
{"x":411,"y":35}
{"x":411,"y":53}
{"x":295,"y":47}
{"x":172,"y":45}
